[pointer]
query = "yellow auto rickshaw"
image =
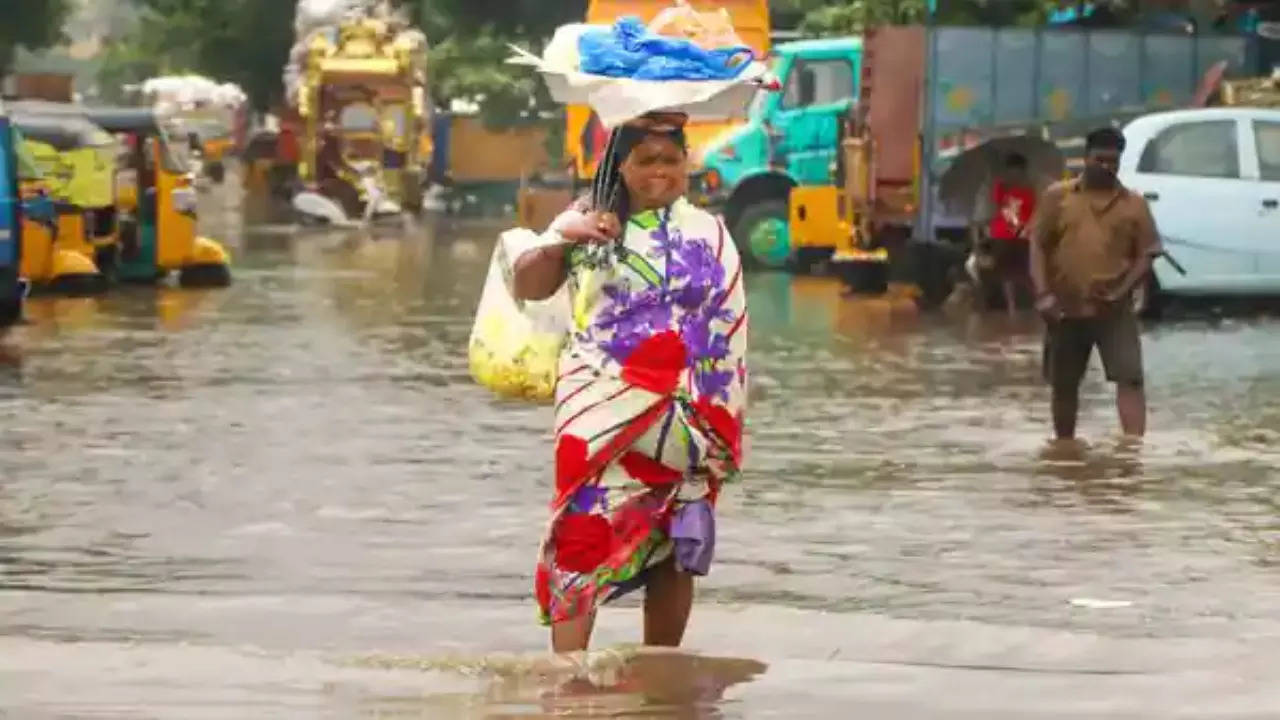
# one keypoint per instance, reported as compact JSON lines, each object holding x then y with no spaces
{"x":159,"y":198}
{"x":155,"y":201}
{"x":75,"y":161}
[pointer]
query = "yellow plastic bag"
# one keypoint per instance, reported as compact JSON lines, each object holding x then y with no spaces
{"x":709,"y":30}
{"x":515,"y":345}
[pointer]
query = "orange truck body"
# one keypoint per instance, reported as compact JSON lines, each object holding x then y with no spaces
{"x":750,"y":19}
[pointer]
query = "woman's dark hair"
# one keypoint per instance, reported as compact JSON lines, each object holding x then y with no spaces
{"x":1106,"y":138}
{"x":607,"y":191}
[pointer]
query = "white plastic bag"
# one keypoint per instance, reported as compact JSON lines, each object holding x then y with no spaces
{"x":561,"y":54}
{"x":515,"y":345}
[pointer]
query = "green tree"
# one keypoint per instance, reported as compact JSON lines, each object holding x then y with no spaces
{"x":470,"y":43}
{"x":242,"y":41}
{"x":32,"y":24}
{"x":856,"y":16}
{"x":818,"y":17}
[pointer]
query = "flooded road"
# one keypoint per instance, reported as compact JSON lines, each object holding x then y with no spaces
{"x":287,"y":499}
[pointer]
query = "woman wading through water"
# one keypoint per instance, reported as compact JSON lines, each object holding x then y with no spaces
{"x":651,"y":391}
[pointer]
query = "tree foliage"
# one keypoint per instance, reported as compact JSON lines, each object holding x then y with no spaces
{"x":248,"y":41}
{"x":242,"y":41}
{"x":470,"y":42}
{"x":818,"y":18}
{"x":32,"y":24}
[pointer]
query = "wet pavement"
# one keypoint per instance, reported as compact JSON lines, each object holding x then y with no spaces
{"x":287,"y":499}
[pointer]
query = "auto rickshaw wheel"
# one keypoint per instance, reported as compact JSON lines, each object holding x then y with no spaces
{"x":107,"y":258}
{"x":78,"y":284}
{"x":205,"y":276}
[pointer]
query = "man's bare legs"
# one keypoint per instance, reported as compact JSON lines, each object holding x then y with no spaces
{"x":668,"y":599}
{"x":572,"y":635}
{"x":1066,"y":408}
{"x":1131,"y":403}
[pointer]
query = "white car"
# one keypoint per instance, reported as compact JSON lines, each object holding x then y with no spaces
{"x":1212,"y":178}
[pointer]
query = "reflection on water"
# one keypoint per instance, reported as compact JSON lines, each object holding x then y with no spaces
{"x":215,"y":500}
{"x":613,"y":683}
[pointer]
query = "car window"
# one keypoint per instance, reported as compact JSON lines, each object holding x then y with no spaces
{"x":1199,"y":149}
{"x":818,"y":82}
{"x":1267,"y":136}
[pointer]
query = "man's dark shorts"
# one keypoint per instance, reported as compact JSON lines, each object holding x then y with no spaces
{"x":1012,"y":258}
{"x":1069,"y":343}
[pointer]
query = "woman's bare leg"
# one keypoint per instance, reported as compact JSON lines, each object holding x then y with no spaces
{"x":572,"y":635}
{"x":668,"y":598}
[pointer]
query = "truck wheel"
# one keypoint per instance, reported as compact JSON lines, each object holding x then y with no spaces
{"x":763,"y":235}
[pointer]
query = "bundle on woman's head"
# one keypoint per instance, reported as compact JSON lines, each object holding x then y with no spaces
{"x":607,"y":191}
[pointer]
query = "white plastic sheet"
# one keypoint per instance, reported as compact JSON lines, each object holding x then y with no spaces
{"x":617,"y":100}
{"x":185,"y":91}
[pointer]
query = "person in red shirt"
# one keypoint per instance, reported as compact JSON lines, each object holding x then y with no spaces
{"x":1013,"y":201}
{"x":287,"y":151}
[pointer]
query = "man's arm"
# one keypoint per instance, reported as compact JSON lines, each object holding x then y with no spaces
{"x":1148,"y":246}
{"x":1043,"y":231}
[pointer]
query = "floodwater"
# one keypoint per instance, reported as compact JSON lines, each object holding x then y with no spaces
{"x":286,"y":499}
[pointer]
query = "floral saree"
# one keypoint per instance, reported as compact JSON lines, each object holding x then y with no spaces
{"x":649,"y":408}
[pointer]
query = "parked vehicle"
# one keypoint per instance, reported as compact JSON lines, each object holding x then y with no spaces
{"x":76,"y":162}
{"x":1212,"y":179}
{"x":368,"y":79}
{"x":15,"y":212}
{"x":927,"y":90}
{"x":790,"y":140}
{"x":157,"y":202}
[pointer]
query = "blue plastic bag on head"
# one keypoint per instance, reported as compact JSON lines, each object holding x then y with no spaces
{"x":629,"y":50}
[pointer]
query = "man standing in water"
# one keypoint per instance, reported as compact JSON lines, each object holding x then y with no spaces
{"x":1092,"y":243}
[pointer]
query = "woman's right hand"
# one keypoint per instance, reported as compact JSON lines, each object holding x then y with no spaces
{"x":595,"y":227}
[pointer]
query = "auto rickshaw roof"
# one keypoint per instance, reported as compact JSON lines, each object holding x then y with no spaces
{"x":110,"y":118}
{"x":62,"y":132}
